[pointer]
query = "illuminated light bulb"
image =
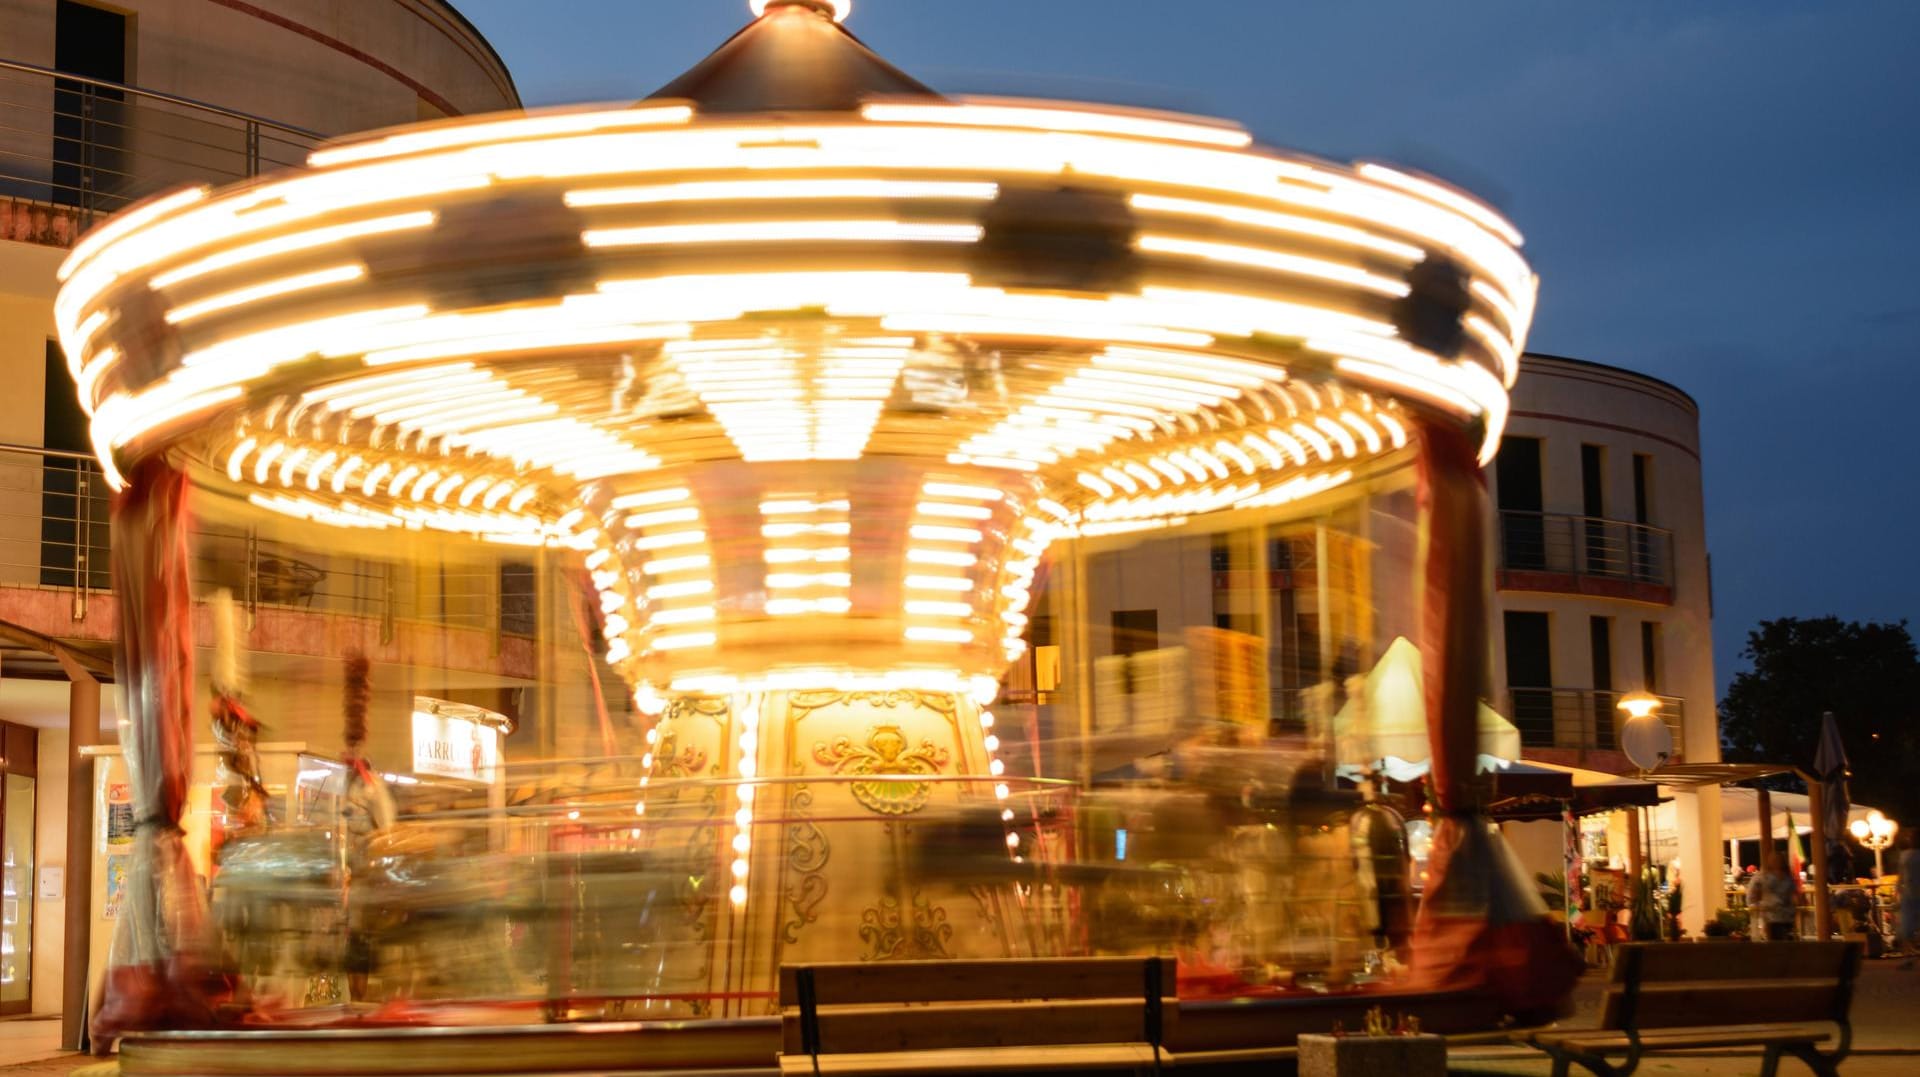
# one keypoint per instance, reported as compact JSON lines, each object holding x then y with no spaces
{"x":973,"y":493}
{"x":1097,"y":485}
{"x":747,"y":767}
{"x":1001,"y":792}
{"x":996,"y":767}
{"x":927,"y":634}
{"x":1006,"y":815}
{"x":1294,"y":264}
{"x":651,"y":498}
{"x":993,"y":743}
{"x":737,"y":895}
{"x":1395,"y":432}
{"x":947,"y":558}
{"x":648,"y":700}
{"x":1278,"y":222}
{"x":938,"y":583}
{"x":598,"y":558}
{"x":689,"y":615}
{"x":983,"y":689}
{"x":640,"y":807}
{"x":682,"y":642}
{"x":962,"y":512}
{"x":264,"y":462}
{"x":420,"y":485}
{"x":778,"y":231}
{"x":517,"y":129}
{"x":1365,"y":429}
{"x":939,"y":609}
{"x":126,"y":223}
{"x":741,"y":843}
{"x":665,"y":565}
{"x":319,"y":278}
{"x":616,"y":624}
{"x":782,"y":190}
{"x":238,"y":457}
{"x":1444,"y":196}
{"x":440,"y":492}
{"x":498,"y":494}
{"x":644,"y":520}
{"x":670,"y":540}
{"x":1339,"y":434}
{"x":1046,"y":118}
{"x":937,"y":533}
{"x":1013,"y":841}
{"x":653,"y":735}
{"x":743,"y":818}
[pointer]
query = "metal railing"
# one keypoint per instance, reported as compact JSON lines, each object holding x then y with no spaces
{"x":96,"y":146}
{"x":1585,"y":546}
{"x":1581,"y":718}
{"x":55,"y":534}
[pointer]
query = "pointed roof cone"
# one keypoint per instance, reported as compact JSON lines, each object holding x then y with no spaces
{"x":793,"y":58}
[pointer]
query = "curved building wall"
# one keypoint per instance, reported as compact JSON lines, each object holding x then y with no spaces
{"x":1602,"y":580}
{"x":182,"y":91}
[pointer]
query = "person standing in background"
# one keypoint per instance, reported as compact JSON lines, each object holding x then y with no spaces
{"x":1908,"y":865}
{"x":1770,"y":897}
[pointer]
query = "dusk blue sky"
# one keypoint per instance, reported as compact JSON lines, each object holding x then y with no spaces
{"x":1723,"y":195}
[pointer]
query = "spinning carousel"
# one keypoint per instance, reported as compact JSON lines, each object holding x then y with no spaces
{"x":810,"y":369}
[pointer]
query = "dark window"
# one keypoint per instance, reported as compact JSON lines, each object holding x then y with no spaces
{"x":1642,"y":488}
{"x":1602,"y":554}
{"x":1523,"y":536}
{"x":1600,"y":633}
{"x":1646,"y":552}
{"x":1650,"y":656}
{"x":1135,"y":631}
{"x":1530,"y":675}
{"x":518,"y":613}
{"x":73,"y":498}
{"x":89,"y":121}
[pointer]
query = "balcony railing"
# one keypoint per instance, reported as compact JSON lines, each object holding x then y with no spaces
{"x":1548,"y":551}
{"x":1582,"y":718}
{"x":55,"y":535}
{"x":93,"y":147}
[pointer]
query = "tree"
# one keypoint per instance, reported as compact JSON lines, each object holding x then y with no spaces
{"x":1867,"y":674}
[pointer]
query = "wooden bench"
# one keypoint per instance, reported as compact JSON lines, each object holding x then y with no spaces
{"x":1786,"y":997}
{"x":1099,"y":1015}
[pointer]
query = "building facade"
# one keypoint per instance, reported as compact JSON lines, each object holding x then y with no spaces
{"x":100,"y":106}
{"x":1603,"y":584}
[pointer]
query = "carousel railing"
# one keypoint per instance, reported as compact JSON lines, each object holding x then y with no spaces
{"x":55,"y":535}
{"x":598,"y":898}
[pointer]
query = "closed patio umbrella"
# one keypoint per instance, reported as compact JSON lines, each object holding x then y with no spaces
{"x":1830,"y":768}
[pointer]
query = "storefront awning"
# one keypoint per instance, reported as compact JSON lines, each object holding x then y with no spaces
{"x":1535,"y":790}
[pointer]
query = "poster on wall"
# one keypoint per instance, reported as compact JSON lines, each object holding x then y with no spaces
{"x":119,"y":815}
{"x":117,"y":866}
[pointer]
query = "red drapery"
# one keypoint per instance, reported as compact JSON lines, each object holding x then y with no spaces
{"x":1481,"y":924}
{"x":157,"y":972}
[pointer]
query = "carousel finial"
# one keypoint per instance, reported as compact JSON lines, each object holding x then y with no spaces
{"x":835,"y":9}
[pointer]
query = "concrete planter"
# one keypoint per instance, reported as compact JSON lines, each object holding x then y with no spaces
{"x":1373,"y":1056}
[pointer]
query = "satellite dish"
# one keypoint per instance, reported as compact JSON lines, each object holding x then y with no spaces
{"x":1647,"y":741}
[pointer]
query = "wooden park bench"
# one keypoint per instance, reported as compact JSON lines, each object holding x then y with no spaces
{"x":1786,"y":997}
{"x":1101,"y":1015}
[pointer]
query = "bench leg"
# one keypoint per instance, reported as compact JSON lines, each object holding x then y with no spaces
{"x":1563,"y":1060}
{"x":1770,"y":1065}
{"x":1824,"y":1065}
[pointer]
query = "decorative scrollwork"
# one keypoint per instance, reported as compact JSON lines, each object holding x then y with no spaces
{"x":672,"y":761}
{"x":923,"y":934}
{"x":807,"y":854}
{"x":805,"y":702}
{"x":885,"y":752}
{"x":678,"y":707}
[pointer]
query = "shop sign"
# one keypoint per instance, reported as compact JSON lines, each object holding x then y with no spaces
{"x":452,"y":746}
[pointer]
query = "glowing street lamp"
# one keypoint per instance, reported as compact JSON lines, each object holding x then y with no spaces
{"x":1875,"y":832}
{"x":1644,"y":737}
{"x":1639,"y":705}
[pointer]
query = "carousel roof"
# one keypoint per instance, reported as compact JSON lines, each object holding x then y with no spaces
{"x":800,"y":341}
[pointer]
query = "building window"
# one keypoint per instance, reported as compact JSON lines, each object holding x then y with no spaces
{"x":1523,"y":531}
{"x":1650,"y":656}
{"x":1642,"y":488}
{"x":1135,"y":631}
{"x":1601,"y":555}
{"x":1600,"y":643}
{"x":1529,"y":648}
{"x":518,"y":614}
{"x":89,"y":121}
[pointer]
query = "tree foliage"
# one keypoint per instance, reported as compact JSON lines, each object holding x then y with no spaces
{"x":1867,"y":674}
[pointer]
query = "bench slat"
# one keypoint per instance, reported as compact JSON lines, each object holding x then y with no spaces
{"x":854,"y":982}
{"x":1716,"y":1002}
{"x":1664,"y":962}
{"x":969,"y":1060}
{"x":1680,"y":1038}
{"x":865,"y":1029}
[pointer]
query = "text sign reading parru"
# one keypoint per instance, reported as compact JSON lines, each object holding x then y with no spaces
{"x":447,"y":746}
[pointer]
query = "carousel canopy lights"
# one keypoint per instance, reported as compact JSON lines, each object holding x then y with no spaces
{"x":765,"y":349}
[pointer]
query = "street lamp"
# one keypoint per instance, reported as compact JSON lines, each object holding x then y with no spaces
{"x":1875,"y":832}
{"x":1645,"y":738}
